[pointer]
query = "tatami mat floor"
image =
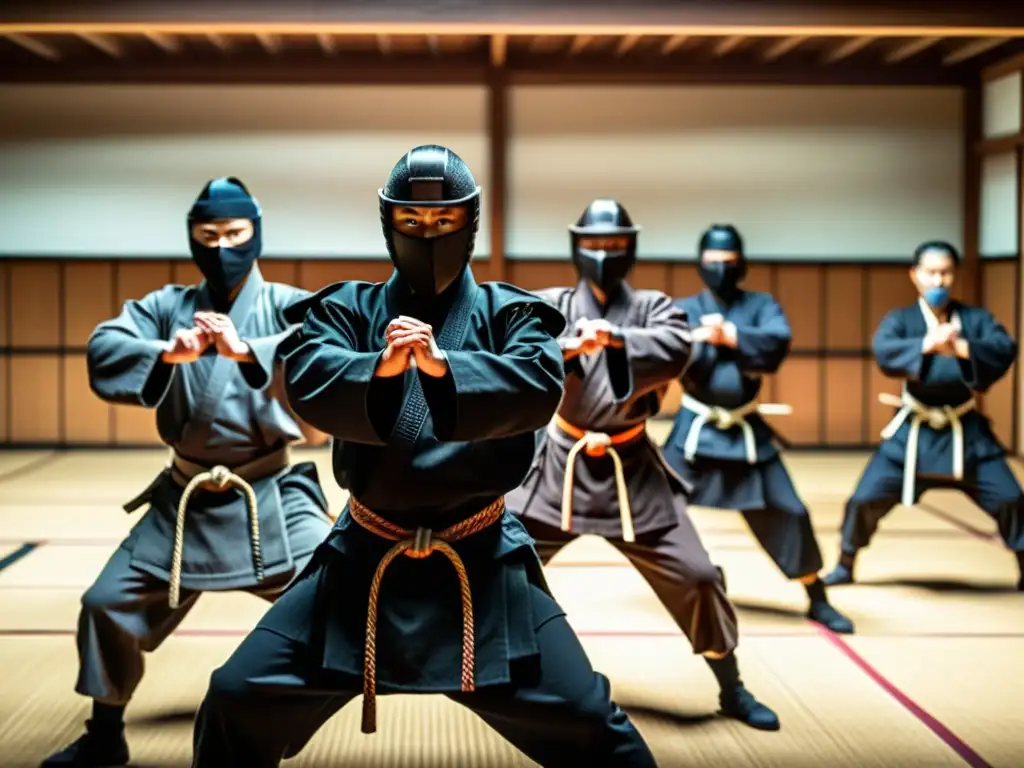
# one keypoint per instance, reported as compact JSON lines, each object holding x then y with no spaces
{"x":931,"y":679}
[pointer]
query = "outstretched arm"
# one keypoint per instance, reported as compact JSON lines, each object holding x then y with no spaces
{"x":125,"y":354}
{"x":487,"y":395}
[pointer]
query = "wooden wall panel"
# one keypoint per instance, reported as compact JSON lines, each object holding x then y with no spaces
{"x":798,"y":385}
{"x":35,"y":303}
{"x":798,"y":290}
{"x":5,"y":271}
{"x":5,"y":403}
{"x":314,"y":274}
{"x":879,"y":415}
{"x":89,"y":299}
{"x":845,"y":317}
{"x":999,"y":292}
{"x":87,"y":418}
{"x":683,"y":281}
{"x":760,"y":277}
{"x":134,"y":424}
{"x":34,"y":399}
{"x":185,"y":272}
{"x":889,"y":287}
{"x":535,"y":275}
{"x":651,"y":276}
{"x":286,"y":272}
{"x":844,"y":401}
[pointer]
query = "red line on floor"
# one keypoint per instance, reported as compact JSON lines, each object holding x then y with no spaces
{"x":949,"y":738}
{"x":991,"y":538}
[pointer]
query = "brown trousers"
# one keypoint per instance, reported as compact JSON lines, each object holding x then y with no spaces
{"x":679,"y":570}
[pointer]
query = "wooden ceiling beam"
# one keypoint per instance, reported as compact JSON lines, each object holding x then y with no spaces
{"x":579,"y":43}
{"x":672,"y":43}
{"x":384,"y":44}
{"x":433,"y":45}
{"x":166,"y":43}
{"x":728,"y":45}
{"x":327,"y":43}
{"x":220,"y":42}
{"x":30,"y":44}
{"x":270,"y":43}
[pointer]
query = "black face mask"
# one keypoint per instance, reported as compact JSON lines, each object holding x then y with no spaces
{"x":605,"y":269}
{"x":429,"y":265}
{"x":722,"y":277}
{"x":226,"y":268}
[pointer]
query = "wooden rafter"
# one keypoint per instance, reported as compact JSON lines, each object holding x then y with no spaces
{"x":910,"y":48}
{"x":970,"y":50}
{"x":782,"y":47}
{"x":672,"y":43}
{"x":166,"y":43}
{"x":579,"y":43}
{"x":108,"y":44}
{"x":270,"y":43}
{"x":38,"y":47}
{"x":847,"y":49}
{"x":728,"y":45}
{"x":327,"y":43}
{"x":626,"y":44}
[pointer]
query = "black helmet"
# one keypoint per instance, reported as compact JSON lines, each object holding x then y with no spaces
{"x":606,"y":269}
{"x":430,"y":176}
{"x":722,"y":278}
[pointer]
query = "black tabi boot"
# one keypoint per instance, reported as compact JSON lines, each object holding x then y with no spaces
{"x":101,"y":746}
{"x":842,"y":573}
{"x":822,"y":611}
{"x":736,"y":701}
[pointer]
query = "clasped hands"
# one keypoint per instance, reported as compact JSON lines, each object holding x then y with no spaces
{"x":211,"y":328}
{"x":411,"y":344}
{"x":944,"y":340}
{"x":590,"y":337}
{"x":716,"y":330}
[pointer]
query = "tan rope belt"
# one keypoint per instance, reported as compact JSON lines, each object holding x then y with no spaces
{"x":219,"y":479}
{"x":418,"y":544}
{"x":944,"y":417}
{"x":598,"y":444}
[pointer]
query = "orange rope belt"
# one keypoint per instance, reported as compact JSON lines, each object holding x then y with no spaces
{"x":598,"y":444}
{"x":418,"y":544}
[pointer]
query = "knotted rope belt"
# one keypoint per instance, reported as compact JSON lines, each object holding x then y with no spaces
{"x":937,"y":418}
{"x":219,"y":479}
{"x":418,"y":544}
{"x":596,"y":444}
{"x":723,"y":419}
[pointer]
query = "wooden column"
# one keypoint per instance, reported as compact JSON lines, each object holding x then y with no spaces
{"x":497,"y":138}
{"x":972,"y":116}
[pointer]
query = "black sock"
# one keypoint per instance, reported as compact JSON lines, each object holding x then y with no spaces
{"x":107,"y":716}
{"x":727,"y":672}
{"x":847,"y":560}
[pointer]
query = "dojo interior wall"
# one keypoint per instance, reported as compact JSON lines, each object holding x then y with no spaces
{"x":835,"y":289}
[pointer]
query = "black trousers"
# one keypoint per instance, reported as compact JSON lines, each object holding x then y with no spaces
{"x":992,"y":486}
{"x":272,"y":696}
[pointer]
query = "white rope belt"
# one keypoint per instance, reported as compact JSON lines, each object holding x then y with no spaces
{"x":598,"y":444}
{"x":937,"y":418}
{"x":723,"y":418}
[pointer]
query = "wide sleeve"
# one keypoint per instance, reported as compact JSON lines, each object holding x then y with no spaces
{"x":258,"y":373}
{"x":330,"y":384}
{"x":124,"y":354}
{"x":651,"y":355}
{"x":491,"y":395}
{"x":761,"y":347}
{"x":899,"y":355}
{"x":991,"y":352}
{"x":559,"y":299}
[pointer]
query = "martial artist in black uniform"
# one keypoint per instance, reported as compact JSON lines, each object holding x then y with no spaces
{"x":432,"y":386}
{"x":945,"y":352}
{"x":720,"y":443}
